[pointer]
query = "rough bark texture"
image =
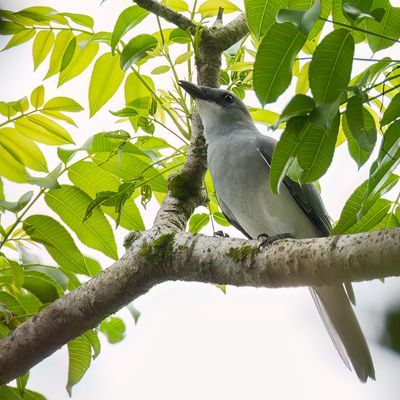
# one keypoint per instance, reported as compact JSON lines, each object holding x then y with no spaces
{"x":166,"y":252}
{"x":157,"y":256}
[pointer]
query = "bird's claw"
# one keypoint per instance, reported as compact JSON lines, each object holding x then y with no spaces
{"x":266,"y":240}
{"x":220,"y":234}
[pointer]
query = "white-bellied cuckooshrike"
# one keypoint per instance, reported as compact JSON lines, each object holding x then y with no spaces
{"x":239,"y":159}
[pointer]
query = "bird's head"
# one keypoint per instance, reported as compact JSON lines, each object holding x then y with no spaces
{"x":221,"y":112}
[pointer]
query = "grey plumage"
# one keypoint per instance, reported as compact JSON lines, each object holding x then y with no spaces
{"x":239,"y":158}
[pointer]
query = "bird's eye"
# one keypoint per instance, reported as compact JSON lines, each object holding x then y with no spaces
{"x":228,"y":98}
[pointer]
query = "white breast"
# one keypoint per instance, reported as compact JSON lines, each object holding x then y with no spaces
{"x":241,"y":181}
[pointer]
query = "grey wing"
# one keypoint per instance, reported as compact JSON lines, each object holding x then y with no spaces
{"x":306,"y":196}
{"x":231,"y":218}
{"x":331,"y":301}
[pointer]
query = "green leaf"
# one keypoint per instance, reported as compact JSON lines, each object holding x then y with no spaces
{"x":197,"y":222}
{"x":10,"y":168}
{"x":37,"y":97}
{"x":131,"y":167}
{"x":104,"y":82}
{"x":43,"y":130}
{"x":260,"y":15}
{"x":20,"y":105}
{"x":361,"y":124}
{"x":359,"y":155}
{"x":22,"y":149}
{"x":58,"y":242}
{"x":302,"y":85}
{"x":60,"y":46}
{"x":177,"y":5}
{"x":178,"y":35}
{"x":127,"y":20}
{"x":388,"y":160}
{"x":265,"y":116}
{"x":134,"y":312}
{"x":63,"y":104}
{"x":19,"y":38}
{"x":9,"y":28}
{"x":50,"y":181}
{"x":184,"y":57}
{"x":315,"y":153}
{"x":17,"y":205}
{"x":302,"y":19}
{"x":12,"y":393}
{"x":93,"y":338}
{"x":389,"y":26}
{"x":137,"y":95}
{"x":80,"y":60}
{"x":274,"y":60}
{"x":351,"y":209}
{"x":286,"y":150}
{"x":80,"y":19}
{"x":68,"y":54}
{"x":80,"y":356}
{"x":70,"y":203}
{"x":16,"y":270}
{"x":298,"y":106}
{"x":136,"y":49}
{"x":372,"y":217}
{"x":42,"y":45}
{"x":392,"y":112}
{"x":331,"y":66}
{"x":220,"y":219}
{"x":43,"y":286}
{"x":210,"y":7}
{"x":130,"y":218}
{"x":12,"y":303}
{"x":58,"y":115}
{"x":22,"y":381}
{"x":162,"y":69}
{"x":81,"y":175}
{"x":113,"y":328}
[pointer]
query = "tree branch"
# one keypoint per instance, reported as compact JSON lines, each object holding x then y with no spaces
{"x":168,"y":14}
{"x":153,"y":257}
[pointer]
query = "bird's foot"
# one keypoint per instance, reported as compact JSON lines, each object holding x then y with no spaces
{"x":220,"y":234}
{"x":267,"y":240}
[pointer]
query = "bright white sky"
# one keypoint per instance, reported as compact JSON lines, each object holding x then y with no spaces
{"x":193,"y":342}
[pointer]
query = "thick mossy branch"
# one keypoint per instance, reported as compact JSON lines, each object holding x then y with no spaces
{"x":239,"y":254}
{"x":160,"y":255}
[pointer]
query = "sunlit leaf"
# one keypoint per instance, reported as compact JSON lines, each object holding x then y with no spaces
{"x":127,"y":20}
{"x":57,"y":241}
{"x":92,"y":337}
{"x":104,"y":82}
{"x":136,"y":49}
{"x":42,"y":45}
{"x":19,"y":38}
{"x":392,"y":112}
{"x":24,"y":150}
{"x":80,"y":356}
{"x":210,"y":7}
{"x":12,"y":393}
{"x":43,"y":130}
{"x":80,"y":19}
{"x":80,"y":60}
{"x":70,"y":203}
{"x":197,"y":222}
{"x":113,"y":328}
{"x":50,"y":181}
{"x":37,"y":97}
{"x":62,"y":104}
{"x":60,"y":45}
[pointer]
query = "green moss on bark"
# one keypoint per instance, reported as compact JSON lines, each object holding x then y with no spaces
{"x":160,"y":250}
{"x":240,"y":253}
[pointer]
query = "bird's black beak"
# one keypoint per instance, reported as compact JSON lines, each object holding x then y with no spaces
{"x":196,"y":92}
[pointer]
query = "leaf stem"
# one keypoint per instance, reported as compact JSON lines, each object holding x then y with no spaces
{"x":19,"y":218}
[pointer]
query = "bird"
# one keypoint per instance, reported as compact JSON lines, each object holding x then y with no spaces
{"x":239,"y":159}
